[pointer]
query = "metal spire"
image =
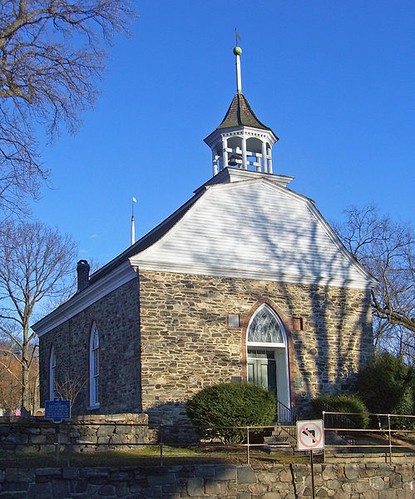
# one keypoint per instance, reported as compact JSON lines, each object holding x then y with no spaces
{"x":238,"y":51}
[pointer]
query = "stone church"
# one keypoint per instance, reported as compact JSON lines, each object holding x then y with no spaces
{"x":245,"y":283}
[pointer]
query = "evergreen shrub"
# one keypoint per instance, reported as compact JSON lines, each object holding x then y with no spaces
{"x":216,"y":408}
{"x":342,"y":403}
{"x":386,"y":385}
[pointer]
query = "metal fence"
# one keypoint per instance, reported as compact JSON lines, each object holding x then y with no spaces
{"x":391,"y":435}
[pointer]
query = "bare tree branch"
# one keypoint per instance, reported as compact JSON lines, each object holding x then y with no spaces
{"x":51,"y":55}
{"x":387,"y":250}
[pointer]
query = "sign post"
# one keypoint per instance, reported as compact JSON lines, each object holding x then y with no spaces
{"x":310,"y":436}
{"x":57,"y":411}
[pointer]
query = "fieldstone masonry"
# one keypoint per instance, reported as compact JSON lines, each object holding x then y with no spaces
{"x":83,"y":434}
{"x":117,"y":319}
{"x":187,"y":345}
{"x":164,"y":336}
{"x":267,"y":481}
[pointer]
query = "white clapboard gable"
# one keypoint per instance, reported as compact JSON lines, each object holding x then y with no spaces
{"x":254,"y":229}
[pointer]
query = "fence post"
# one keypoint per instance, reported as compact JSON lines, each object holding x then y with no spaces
{"x":57,"y":442}
{"x":247,"y":445}
{"x":390,"y":438}
{"x":161,"y":443}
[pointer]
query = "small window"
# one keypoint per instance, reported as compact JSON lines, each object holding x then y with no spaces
{"x":94,"y":397}
{"x":52,"y":374}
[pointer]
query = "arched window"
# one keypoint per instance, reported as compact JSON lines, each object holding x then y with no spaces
{"x":94,"y":367}
{"x":266,"y":328}
{"x":52,"y":374}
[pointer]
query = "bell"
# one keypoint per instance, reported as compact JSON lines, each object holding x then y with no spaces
{"x":235,"y":159}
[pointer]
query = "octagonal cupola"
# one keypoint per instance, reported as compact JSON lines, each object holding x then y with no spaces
{"x":241,"y":140}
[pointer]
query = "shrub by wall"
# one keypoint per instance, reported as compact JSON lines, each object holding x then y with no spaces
{"x":342,"y":403}
{"x":386,"y":385}
{"x":216,"y":408}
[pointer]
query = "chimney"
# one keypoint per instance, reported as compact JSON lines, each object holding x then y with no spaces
{"x":82,"y":269}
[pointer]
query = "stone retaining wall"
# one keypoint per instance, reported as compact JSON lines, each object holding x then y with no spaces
{"x":270,"y":481}
{"x":83,"y":433}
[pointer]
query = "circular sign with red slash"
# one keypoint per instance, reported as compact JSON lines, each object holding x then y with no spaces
{"x":310,"y":435}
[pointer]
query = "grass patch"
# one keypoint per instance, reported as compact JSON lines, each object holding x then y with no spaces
{"x":146,"y":456}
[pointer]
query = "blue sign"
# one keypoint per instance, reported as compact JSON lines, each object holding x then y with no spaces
{"x":58,"y":410}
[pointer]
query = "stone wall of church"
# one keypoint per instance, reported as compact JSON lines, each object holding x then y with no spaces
{"x":187,"y":344}
{"x":117,"y":319}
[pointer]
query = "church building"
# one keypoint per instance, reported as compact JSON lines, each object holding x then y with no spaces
{"x":245,"y":283}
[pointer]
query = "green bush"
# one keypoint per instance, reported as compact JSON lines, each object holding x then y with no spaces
{"x":385,"y":385}
{"x":214,"y":409}
{"x":342,"y":403}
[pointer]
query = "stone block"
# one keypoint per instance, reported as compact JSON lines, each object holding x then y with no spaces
{"x":93,"y":473}
{"x":322,"y":492}
{"x":40,"y":490}
{"x":120,"y":476}
{"x":395,"y":481}
{"x":377,"y":483}
{"x":351,"y":471}
{"x":195,"y":487}
{"x":245,"y":474}
{"x":69,"y":473}
{"x":152,"y":492}
{"x":161,"y":479}
{"x":206,"y":471}
{"x":60,"y":488}
{"x":216,"y":487}
{"x":106,"y":490}
{"x":332,"y":484}
{"x":19,"y":475}
{"x":225,"y":472}
{"x":329,"y":471}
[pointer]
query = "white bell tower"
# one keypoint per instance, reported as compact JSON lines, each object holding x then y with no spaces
{"x":241,"y":140}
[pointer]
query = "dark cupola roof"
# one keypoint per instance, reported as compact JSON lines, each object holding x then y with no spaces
{"x":240,"y":114}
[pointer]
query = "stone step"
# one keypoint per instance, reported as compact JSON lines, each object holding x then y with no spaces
{"x":276,"y":440}
{"x":284,"y":448}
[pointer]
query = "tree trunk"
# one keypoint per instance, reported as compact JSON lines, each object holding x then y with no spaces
{"x":26,"y":399}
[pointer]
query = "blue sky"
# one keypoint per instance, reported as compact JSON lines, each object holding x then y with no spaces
{"x":334,"y":79}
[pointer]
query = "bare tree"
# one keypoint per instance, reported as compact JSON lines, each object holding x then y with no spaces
{"x":51,"y":53}
{"x":387,"y":250}
{"x":70,"y":387}
{"x":34,"y":264}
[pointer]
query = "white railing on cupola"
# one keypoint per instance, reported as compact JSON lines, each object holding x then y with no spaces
{"x":257,"y":158}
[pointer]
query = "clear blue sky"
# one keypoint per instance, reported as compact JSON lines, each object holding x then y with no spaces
{"x":334,"y":79}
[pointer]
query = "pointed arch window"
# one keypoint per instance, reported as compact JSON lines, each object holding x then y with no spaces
{"x":52,"y":374}
{"x":266,"y":328}
{"x":94,"y":367}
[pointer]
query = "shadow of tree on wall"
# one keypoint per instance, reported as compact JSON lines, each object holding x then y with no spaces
{"x":336,"y":340}
{"x":172,"y":423}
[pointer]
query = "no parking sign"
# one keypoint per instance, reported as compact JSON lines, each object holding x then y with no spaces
{"x":310,"y":435}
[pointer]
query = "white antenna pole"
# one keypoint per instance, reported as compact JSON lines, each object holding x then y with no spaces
{"x":134,"y":200}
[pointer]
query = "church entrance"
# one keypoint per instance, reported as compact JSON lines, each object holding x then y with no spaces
{"x":262,"y":369}
{"x":267,"y":357}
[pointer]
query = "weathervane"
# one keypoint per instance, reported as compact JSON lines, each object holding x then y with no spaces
{"x":134,"y":200}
